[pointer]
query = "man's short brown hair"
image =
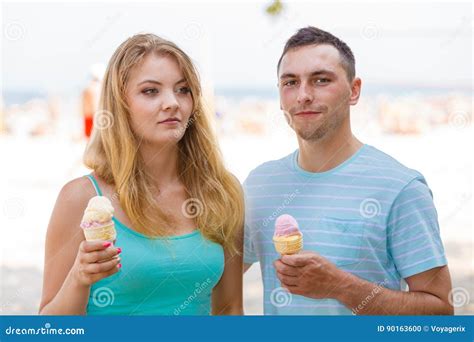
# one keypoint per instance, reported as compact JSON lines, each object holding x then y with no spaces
{"x":313,"y":36}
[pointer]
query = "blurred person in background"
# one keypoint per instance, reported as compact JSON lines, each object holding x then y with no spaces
{"x":90,"y":98}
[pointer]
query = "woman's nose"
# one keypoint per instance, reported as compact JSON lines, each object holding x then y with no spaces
{"x":170,"y":102}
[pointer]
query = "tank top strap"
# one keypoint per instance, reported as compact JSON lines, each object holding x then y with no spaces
{"x":95,"y":184}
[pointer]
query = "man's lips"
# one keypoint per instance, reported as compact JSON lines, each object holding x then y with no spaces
{"x":308,"y":113}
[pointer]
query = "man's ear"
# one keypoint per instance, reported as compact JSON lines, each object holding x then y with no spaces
{"x":355,"y":91}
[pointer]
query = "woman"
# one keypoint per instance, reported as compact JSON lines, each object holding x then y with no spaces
{"x":178,"y":211}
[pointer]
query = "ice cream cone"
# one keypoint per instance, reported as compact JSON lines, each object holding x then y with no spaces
{"x":288,"y":244}
{"x":97,"y":222}
{"x":102,"y":233}
{"x":287,"y":239}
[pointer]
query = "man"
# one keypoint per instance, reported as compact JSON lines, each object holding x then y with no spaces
{"x":369,"y":224}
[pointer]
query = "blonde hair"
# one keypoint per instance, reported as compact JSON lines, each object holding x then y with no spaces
{"x":215,"y":195}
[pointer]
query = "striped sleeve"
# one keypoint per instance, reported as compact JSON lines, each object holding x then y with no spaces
{"x":414,"y":239}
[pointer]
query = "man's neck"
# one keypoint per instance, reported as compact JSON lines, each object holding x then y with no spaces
{"x":327,"y":153}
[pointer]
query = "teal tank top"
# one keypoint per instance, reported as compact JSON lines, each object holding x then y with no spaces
{"x":159,"y":276}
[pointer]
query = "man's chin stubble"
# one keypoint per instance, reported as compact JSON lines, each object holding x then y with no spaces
{"x":313,"y":136}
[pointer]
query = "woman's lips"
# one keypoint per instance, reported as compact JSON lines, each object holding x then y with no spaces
{"x":170,"y":121}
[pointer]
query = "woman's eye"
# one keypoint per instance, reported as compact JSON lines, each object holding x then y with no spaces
{"x":184,"y":90}
{"x":150,"y":91}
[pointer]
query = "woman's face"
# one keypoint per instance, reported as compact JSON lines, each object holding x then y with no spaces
{"x":159,"y":99}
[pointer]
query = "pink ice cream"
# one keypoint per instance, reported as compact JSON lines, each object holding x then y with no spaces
{"x":286,"y":225}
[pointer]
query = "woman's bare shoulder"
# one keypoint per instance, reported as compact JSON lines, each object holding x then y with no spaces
{"x":77,"y":191}
{"x":71,"y":202}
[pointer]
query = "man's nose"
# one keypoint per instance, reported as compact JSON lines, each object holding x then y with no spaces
{"x":304,"y":93}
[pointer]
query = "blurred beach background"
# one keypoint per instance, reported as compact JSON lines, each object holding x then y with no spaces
{"x":414,"y":58}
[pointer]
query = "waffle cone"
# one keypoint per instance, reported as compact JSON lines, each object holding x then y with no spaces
{"x":288,"y":244}
{"x":104,"y":233}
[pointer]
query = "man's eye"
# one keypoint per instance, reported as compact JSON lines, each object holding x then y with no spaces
{"x":289,"y":83}
{"x":322,"y":80}
{"x":149,"y":91}
{"x":184,"y":90}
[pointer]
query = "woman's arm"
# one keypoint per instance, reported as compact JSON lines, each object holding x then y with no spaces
{"x":70,"y":262}
{"x":227,"y":294}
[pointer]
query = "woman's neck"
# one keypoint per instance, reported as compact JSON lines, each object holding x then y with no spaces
{"x":161,"y":163}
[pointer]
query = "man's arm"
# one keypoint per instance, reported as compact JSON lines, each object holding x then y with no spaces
{"x":428,"y":295}
{"x":311,"y":275}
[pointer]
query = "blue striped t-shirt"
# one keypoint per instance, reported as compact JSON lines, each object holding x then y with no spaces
{"x":371,"y":216}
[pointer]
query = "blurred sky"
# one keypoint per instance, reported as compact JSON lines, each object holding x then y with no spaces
{"x":50,"y":46}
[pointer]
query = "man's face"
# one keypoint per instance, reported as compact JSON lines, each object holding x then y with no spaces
{"x":315,"y":93}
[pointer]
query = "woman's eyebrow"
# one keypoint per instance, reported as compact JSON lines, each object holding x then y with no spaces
{"x":159,"y":83}
{"x":149,"y":81}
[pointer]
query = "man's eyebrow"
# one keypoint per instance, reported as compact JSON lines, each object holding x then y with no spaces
{"x":312,"y":74}
{"x":323,"y":72}
{"x":287,"y":75}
